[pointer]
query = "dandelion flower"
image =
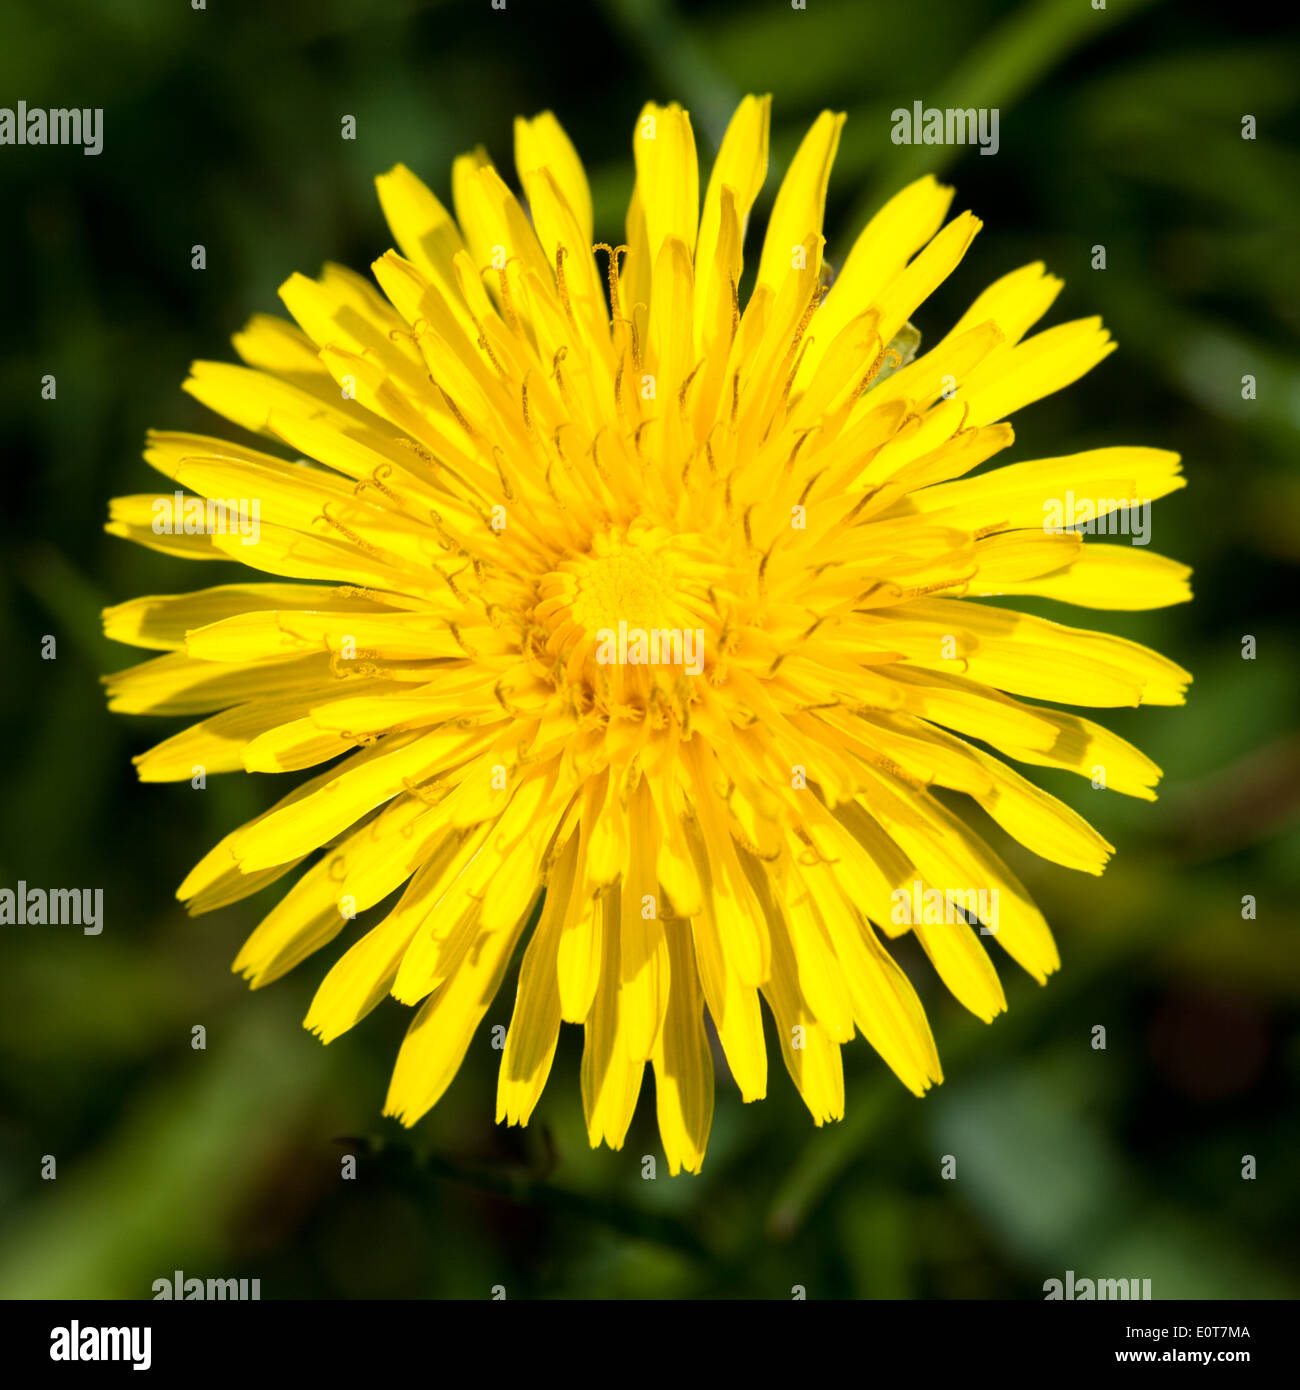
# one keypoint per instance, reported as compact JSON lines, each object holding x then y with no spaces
{"x":604,"y":603}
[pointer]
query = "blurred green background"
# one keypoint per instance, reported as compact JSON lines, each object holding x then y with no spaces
{"x":1120,"y":127}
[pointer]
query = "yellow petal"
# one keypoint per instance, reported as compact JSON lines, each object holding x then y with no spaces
{"x":683,"y":1063}
{"x":440,"y":1033}
{"x":801,"y":201}
{"x":542,"y":144}
{"x":667,"y":176}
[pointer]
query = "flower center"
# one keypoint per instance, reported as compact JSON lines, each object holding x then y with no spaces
{"x":624,"y":580}
{"x":627,"y":617}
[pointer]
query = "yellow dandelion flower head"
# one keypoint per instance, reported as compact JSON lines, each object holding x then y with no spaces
{"x":608,"y":605}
